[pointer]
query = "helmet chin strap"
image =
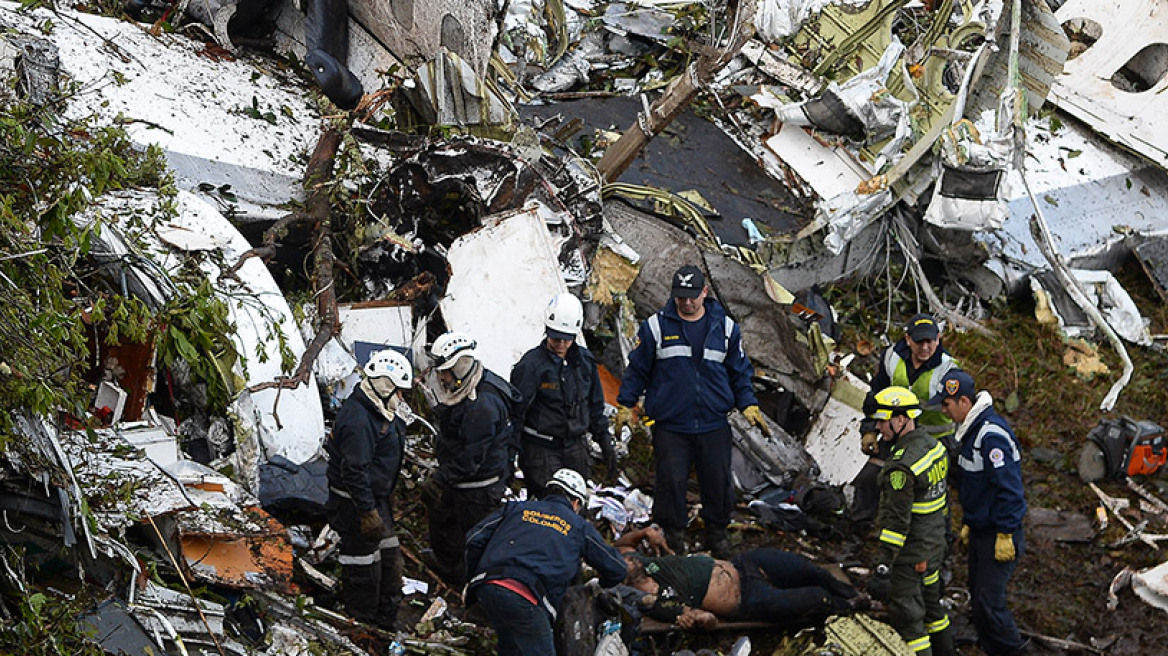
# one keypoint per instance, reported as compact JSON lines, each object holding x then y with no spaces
{"x":897,"y":433}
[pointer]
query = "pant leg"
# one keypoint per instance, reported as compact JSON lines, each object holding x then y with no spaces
{"x":936,"y":617}
{"x":671,"y":458}
{"x":866,"y":500}
{"x":360,"y":561}
{"x":523,"y":628}
{"x":538,"y":463}
{"x":779,"y":586}
{"x":575,"y":457}
{"x":712,"y":461}
{"x":906,"y":608}
{"x":997,"y":632}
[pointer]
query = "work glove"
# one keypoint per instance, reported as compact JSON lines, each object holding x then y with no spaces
{"x":754,"y":416}
{"x":964,"y":539}
{"x":1004,"y":548}
{"x":608,"y":451}
{"x":372,"y":528}
{"x":624,"y":417}
{"x":880,"y":585}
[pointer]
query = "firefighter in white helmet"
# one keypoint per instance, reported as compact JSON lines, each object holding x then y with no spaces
{"x":563,"y":403}
{"x":365,"y":454}
{"x":473,"y":447}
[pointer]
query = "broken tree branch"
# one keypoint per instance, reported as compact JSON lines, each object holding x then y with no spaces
{"x":1059,"y":643}
{"x":268,"y":247}
{"x":318,"y":209}
{"x":1041,"y":233}
{"x":677,"y":95}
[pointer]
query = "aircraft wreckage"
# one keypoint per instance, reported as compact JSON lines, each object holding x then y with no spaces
{"x":493,"y":160}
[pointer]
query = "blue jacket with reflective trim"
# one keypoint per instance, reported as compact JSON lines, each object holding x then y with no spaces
{"x":562,"y":397}
{"x":992,"y":498}
{"x":539,"y":543}
{"x":680,"y":394}
{"x":365,"y":451}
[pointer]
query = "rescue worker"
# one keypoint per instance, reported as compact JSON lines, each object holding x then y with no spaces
{"x":526,"y":554}
{"x":364,"y":457}
{"x":563,"y":403}
{"x":691,"y":368}
{"x":917,"y":362}
{"x":472,"y":447}
{"x":993,"y":504}
{"x":911,"y":520}
{"x":759,"y":585}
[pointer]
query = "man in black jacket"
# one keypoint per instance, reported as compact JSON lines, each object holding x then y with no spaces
{"x":473,"y":448}
{"x":365,"y":453}
{"x":524,"y":556}
{"x":563,"y":401}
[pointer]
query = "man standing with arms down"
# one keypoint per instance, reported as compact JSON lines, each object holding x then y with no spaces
{"x":523,"y":557}
{"x":563,"y":401}
{"x":912,"y":518}
{"x":917,"y":362}
{"x":993,"y":504}
{"x":473,"y":448}
{"x":364,"y":458}
{"x":690,"y":366}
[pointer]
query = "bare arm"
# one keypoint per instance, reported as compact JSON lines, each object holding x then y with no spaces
{"x":651,"y":535}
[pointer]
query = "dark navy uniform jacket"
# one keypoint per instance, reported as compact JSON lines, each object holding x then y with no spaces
{"x":540,"y":544}
{"x":682,"y":394}
{"x":992,"y":498}
{"x":562,"y":397}
{"x":474,"y":437}
{"x":365,"y":452}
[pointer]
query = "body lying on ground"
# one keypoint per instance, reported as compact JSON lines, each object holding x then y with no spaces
{"x":769,"y":585}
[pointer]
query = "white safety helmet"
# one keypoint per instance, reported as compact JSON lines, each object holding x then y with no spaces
{"x":449,"y":347}
{"x":564,"y":316}
{"x":392,"y":365}
{"x":572,"y":482}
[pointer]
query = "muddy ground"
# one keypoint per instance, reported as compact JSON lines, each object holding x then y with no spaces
{"x":1060,"y":589}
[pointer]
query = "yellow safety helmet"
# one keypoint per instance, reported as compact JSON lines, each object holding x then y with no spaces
{"x":892,"y":401}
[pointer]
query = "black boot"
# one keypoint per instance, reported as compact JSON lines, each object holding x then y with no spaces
{"x":676,"y":539}
{"x":390,"y":593}
{"x":359,"y":591}
{"x":718,"y":543}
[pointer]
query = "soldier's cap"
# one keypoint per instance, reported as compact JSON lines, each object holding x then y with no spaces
{"x":955,"y":385}
{"x":922,"y":327}
{"x":688,"y":282}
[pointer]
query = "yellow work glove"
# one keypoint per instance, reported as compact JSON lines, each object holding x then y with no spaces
{"x":965,"y":536}
{"x":754,"y":416}
{"x":1004,"y":548}
{"x":870,"y":443}
{"x":624,"y":417}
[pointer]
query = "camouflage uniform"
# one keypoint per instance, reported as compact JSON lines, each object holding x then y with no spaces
{"x":912,"y":518}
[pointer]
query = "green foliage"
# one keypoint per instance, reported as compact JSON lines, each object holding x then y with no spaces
{"x":52,"y":298}
{"x":46,"y":623}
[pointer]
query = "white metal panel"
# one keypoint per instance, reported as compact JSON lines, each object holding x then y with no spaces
{"x":504,"y":274}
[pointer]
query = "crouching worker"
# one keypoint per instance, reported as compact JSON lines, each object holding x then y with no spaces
{"x":365,"y":454}
{"x":766,"y":585}
{"x":522,"y":558}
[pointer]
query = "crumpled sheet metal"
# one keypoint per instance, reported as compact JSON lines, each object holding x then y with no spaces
{"x":1151,"y":585}
{"x":252,"y":554}
{"x":1105,"y":292}
{"x":834,"y":438}
{"x":777,"y":20}
{"x":446,"y":91}
{"x":1131,"y":43}
{"x":760,"y":461}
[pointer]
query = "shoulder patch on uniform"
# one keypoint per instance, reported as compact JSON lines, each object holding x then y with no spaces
{"x":998,"y":457}
{"x":897,"y":479}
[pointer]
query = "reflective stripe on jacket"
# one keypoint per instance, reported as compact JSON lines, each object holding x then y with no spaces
{"x":913,"y":500}
{"x":681,"y":394}
{"x":365,"y":452}
{"x":992,"y":496}
{"x":925,"y":382}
